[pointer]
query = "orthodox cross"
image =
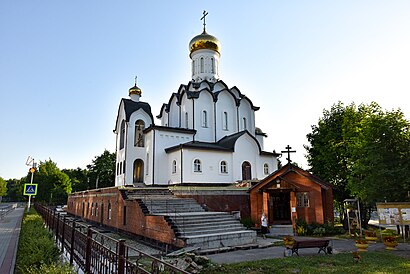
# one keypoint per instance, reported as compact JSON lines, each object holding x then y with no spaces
{"x":136,"y":80}
{"x":288,"y":151}
{"x":203,"y":17}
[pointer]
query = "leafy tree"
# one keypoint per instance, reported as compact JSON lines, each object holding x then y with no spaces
{"x":364,"y":152}
{"x":3,"y":187}
{"x":79,"y":178}
{"x":102,"y":170}
{"x":15,"y":190}
{"x":49,"y":178}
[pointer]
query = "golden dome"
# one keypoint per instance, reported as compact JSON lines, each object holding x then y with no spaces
{"x":204,"y":41}
{"x":134,"y":90}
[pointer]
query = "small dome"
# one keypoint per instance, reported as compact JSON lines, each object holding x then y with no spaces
{"x":204,"y":41}
{"x":134,"y":90}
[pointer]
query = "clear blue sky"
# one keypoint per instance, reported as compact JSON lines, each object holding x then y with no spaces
{"x":65,"y":65}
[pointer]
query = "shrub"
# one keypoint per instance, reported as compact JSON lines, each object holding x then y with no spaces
{"x":36,"y":249}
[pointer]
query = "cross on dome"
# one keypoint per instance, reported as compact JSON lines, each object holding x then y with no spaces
{"x":203,"y":17}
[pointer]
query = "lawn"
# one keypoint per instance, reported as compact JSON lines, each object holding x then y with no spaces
{"x":371,"y":262}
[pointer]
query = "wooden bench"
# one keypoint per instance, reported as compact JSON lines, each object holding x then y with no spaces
{"x":322,"y":244}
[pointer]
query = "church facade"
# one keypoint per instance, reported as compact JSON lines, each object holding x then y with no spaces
{"x":206,"y":135}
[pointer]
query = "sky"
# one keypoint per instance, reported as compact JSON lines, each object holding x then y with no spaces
{"x":65,"y":65}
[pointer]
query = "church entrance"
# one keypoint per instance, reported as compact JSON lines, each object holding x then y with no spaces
{"x":246,"y":171}
{"x":138,"y":174}
{"x":279,"y":208}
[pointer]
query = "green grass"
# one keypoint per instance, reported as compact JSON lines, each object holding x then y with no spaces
{"x":372,"y":262}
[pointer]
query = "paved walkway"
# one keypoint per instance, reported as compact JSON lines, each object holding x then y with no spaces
{"x":338,"y":245}
{"x":9,"y":235}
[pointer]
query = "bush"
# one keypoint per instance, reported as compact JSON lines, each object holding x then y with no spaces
{"x":304,"y":229}
{"x":36,"y":249}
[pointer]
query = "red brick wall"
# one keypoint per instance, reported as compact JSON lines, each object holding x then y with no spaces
{"x":153,"y":227}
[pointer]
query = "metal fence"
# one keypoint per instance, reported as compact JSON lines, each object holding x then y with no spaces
{"x":94,"y":252}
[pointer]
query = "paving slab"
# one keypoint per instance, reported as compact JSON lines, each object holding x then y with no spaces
{"x":9,"y":235}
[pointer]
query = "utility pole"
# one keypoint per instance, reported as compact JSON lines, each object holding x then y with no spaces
{"x":30,"y":161}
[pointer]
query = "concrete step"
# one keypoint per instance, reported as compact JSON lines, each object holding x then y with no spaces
{"x":224,"y":239}
{"x":209,"y":230}
{"x":190,"y":225}
{"x":281,"y":230}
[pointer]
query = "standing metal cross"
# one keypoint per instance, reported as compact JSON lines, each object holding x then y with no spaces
{"x":288,"y":151}
{"x":203,"y":17}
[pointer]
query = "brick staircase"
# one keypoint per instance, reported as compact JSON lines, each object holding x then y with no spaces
{"x":190,"y":222}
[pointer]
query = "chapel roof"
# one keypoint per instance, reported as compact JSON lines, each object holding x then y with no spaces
{"x":131,"y":106}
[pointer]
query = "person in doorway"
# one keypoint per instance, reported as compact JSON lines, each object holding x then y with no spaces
{"x":264,"y":225}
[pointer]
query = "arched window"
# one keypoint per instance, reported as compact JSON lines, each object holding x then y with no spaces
{"x":197,"y":165}
{"x":121,"y":168}
{"x":118,"y":168}
{"x":174,"y":166}
{"x":244,"y":123}
{"x":138,"y":173}
{"x":138,"y":133}
{"x":193,"y":67}
{"x":224,"y":167}
{"x":202,"y":64}
{"x":265,"y":168}
{"x":204,"y":119}
{"x":122,"y":134}
{"x":186,"y":120}
{"x":212,"y":65}
{"x":225,"y":121}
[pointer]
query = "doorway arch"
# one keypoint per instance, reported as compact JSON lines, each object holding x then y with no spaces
{"x":138,"y":171}
{"x":246,"y":171}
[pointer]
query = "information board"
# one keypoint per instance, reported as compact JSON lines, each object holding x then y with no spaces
{"x":394,"y":213}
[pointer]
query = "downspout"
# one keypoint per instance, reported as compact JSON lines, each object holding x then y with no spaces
{"x":182,"y":167}
{"x":193,"y":117}
{"x":153,"y":158}
{"x":215,"y":122}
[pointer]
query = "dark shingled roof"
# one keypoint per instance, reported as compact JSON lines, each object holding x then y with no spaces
{"x":225,"y":144}
{"x":131,"y":106}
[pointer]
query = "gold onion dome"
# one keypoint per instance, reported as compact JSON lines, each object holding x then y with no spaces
{"x":204,"y":41}
{"x":134,"y":90}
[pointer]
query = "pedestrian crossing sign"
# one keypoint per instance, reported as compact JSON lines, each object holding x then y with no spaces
{"x":30,"y":189}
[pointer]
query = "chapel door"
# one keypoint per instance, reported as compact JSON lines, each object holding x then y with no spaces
{"x":279,"y":208}
{"x":138,"y":174}
{"x":246,"y":171}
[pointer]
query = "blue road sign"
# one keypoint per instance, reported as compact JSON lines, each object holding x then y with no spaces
{"x":30,"y":189}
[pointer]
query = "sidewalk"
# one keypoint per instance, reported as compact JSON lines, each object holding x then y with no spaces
{"x":338,"y":245}
{"x":9,"y":235}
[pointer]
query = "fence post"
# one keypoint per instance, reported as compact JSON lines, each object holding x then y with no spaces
{"x":72,"y":244}
{"x":121,"y":256}
{"x":62,"y":235}
{"x":57,"y":227}
{"x":88,"y":250}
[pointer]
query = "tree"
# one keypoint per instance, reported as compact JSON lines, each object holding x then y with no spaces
{"x":3,"y":187}
{"x":363,"y":152}
{"x":79,"y":178}
{"x":15,"y":190}
{"x":101,"y":172}
{"x":49,"y":178}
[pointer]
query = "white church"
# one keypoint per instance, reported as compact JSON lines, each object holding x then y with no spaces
{"x":207,"y":133}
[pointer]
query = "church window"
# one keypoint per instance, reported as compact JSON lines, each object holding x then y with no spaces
{"x":118,"y":168}
{"x":174,"y":166}
{"x":204,"y":119}
{"x":224,"y":167}
{"x":212,"y":65}
{"x":92,"y":209}
{"x":197,"y":165}
{"x":193,"y":67}
{"x":96,"y":209}
{"x":123,"y":167}
{"x":266,"y":169}
{"x":138,"y":134}
{"x":122,"y":134}
{"x":244,"y":123}
{"x":302,"y":199}
{"x":202,"y":64}
{"x":186,"y":120}
{"x":147,"y":168}
{"x":109,"y":211}
{"x":225,"y":121}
